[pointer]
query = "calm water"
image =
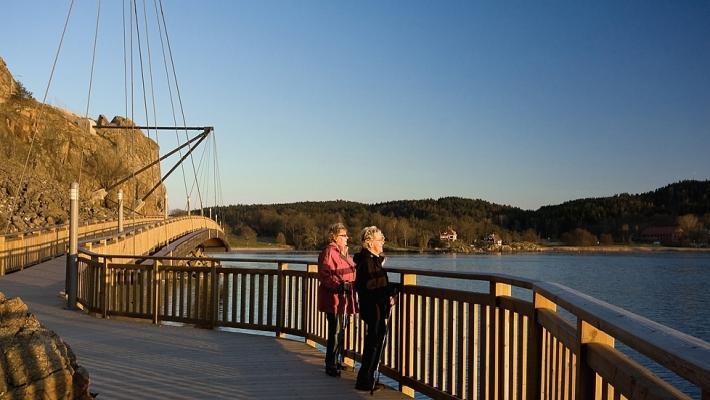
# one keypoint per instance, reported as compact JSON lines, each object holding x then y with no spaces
{"x":669,"y":288}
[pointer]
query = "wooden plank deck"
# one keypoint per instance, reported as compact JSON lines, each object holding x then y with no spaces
{"x":138,"y":360}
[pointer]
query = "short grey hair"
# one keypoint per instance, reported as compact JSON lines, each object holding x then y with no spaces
{"x":334,"y":229}
{"x":368,"y":235}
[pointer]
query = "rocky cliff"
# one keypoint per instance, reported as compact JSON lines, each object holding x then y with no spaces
{"x":65,"y":148}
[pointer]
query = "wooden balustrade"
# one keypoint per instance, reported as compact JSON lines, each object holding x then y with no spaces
{"x":21,"y":250}
{"x":443,"y":343}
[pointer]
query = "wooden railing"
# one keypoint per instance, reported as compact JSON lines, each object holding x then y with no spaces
{"x":153,"y":236}
{"x":21,"y":250}
{"x":443,"y":343}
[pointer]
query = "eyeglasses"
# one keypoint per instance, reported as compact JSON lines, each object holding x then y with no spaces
{"x":343,"y":236}
{"x":380,"y":240}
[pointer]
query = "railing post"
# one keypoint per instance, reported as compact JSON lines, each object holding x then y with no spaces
{"x":281,"y":299}
{"x":586,"y":377}
{"x":120,"y":210}
{"x":2,"y":255}
{"x":405,"y":330}
{"x":497,"y":340}
{"x":312,"y":310}
{"x":24,"y":253}
{"x":156,"y":288}
{"x":73,"y":245}
{"x":215,"y":294}
{"x":534,"y":345}
{"x":165,"y":206}
{"x":104,"y":288}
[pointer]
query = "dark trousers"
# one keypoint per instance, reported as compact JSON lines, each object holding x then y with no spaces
{"x":374,"y":342}
{"x":337,"y":323}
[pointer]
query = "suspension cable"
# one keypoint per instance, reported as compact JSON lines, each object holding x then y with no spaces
{"x":143,"y":87}
{"x":177,"y":88}
{"x":199,"y":167}
{"x":152,"y":88}
{"x":125,"y":66}
{"x":91,"y":81}
{"x":40,"y":114}
{"x":170,"y":91}
{"x":131,"y":5}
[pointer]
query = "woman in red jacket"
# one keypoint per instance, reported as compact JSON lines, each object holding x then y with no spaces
{"x":336,"y":297}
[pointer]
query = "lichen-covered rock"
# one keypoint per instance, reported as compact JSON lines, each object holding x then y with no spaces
{"x":34,"y":362}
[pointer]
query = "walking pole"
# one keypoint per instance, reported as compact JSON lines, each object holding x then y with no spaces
{"x":344,"y":323}
{"x":356,"y":321}
{"x":379,"y":356}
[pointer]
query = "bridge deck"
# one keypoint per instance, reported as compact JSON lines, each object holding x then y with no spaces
{"x":136,"y":360}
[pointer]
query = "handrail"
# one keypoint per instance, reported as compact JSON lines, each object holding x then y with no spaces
{"x":684,"y":354}
{"x":19,"y":250}
{"x":444,"y":343}
{"x":51,"y":228}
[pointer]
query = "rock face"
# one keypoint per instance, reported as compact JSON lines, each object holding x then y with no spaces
{"x":66,"y":148}
{"x":34,"y":362}
{"x":7,"y":84}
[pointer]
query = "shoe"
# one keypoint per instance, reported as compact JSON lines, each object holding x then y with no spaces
{"x":332,"y":371}
{"x":341,"y":367}
{"x":366,"y":388}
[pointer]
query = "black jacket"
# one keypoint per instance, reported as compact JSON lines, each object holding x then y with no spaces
{"x":372,"y":285}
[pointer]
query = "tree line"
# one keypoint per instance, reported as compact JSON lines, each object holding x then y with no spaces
{"x":417,"y":223}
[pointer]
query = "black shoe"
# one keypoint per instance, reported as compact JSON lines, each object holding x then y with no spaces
{"x":367,"y":388}
{"x":332,"y":371}
{"x":341,"y":367}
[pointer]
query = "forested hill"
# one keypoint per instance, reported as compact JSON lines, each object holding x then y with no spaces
{"x":408,"y":223}
{"x":619,"y":213}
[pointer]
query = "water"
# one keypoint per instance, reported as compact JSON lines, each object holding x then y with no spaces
{"x":669,"y":288}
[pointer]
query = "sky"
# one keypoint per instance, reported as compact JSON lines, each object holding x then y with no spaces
{"x":524,"y":103}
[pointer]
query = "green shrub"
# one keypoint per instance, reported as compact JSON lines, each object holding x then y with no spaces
{"x":22,"y":93}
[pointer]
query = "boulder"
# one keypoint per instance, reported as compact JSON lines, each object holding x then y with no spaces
{"x":102,"y":121}
{"x":34,"y":362}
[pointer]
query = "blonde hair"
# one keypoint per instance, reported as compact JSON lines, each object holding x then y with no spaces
{"x":334,"y":229}
{"x":368,"y":235}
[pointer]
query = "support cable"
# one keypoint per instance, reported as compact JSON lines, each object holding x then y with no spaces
{"x":199,"y":167}
{"x":132,"y":128}
{"x":177,"y":87}
{"x":91,"y":81}
{"x":170,"y":89}
{"x":152,"y":88}
{"x":143,"y":87}
{"x":42,"y":108}
{"x":125,"y":66}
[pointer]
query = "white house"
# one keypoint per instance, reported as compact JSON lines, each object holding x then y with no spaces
{"x":448,"y":235}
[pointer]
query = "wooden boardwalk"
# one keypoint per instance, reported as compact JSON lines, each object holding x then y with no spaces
{"x":138,"y":360}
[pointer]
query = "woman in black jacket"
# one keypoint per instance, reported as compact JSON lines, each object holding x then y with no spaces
{"x":375,"y":296}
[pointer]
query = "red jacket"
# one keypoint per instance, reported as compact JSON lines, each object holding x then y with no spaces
{"x":333,"y":270}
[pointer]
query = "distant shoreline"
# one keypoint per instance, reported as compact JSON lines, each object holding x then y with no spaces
{"x":541,"y":249}
{"x":623,"y":249}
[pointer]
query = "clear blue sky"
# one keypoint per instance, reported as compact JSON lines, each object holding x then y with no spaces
{"x":525,"y":103}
